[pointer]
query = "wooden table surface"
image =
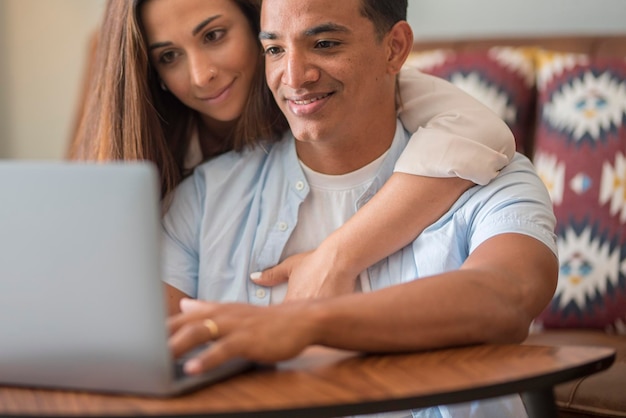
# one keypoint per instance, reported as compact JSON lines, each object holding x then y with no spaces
{"x":325,"y":383}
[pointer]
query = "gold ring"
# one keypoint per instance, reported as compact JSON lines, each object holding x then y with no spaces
{"x":212,"y":327}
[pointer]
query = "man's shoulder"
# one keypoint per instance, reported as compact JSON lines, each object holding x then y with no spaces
{"x":229,"y":182}
{"x":259,"y":153}
{"x":519,"y":169}
{"x":236,"y":168}
{"x":231,"y":159}
{"x":517,"y":179}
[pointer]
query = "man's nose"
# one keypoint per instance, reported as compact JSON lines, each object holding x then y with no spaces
{"x":299,"y":70}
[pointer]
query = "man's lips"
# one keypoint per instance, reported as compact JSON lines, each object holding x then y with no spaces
{"x":309,"y":100}
{"x":305,"y":105}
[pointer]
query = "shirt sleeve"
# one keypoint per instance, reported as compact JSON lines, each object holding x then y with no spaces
{"x":180,"y":238}
{"x":453,"y":134}
{"x":517,"y":201}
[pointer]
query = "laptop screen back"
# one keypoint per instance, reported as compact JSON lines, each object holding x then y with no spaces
{"x":81,"y":298}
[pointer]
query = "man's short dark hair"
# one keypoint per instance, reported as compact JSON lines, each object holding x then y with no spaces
{"x":384,"y":13}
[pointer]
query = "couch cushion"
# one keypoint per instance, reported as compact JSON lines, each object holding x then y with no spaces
{"x":580,"y":153}
{"x":602,"y":394}
{"x":502,"y":78}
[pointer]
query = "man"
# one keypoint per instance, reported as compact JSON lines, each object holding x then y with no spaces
{"x":479,"y":274}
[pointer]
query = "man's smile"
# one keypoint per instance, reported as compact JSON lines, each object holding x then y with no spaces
{"x":311,"y":99}
{"x":306,"y":105}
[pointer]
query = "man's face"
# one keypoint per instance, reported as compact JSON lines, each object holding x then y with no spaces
{"x":326,"y":68}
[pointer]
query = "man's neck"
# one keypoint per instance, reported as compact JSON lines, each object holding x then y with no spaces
{"x":344,"y":155}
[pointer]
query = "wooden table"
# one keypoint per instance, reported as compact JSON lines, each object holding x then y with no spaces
{"x":329,"y":383}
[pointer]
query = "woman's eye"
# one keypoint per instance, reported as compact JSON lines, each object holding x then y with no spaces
{"x":167,"y":57}
{"x":214,"y":35}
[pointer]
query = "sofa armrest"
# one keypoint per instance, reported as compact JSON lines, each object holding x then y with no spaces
{"x":599,"y":395}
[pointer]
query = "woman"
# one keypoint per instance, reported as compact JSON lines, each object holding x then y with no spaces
{"x":179,"y":82}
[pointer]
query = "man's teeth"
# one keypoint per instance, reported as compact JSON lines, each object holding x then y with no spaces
{"x":309,"y":101}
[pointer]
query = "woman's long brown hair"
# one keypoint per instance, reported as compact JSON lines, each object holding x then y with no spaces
{"x":127,"y":116}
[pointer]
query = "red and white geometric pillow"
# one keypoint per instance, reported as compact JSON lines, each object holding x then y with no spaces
{"x":580,"y":153}
{"x":502,"y":78}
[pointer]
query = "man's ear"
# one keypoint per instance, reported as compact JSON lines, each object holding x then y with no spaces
{"x":399,"y":43}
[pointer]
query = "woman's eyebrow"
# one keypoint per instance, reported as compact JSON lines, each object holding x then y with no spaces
{"x":194,"y":32}
{"x":202,"y":24}
{"x":158,"y":45}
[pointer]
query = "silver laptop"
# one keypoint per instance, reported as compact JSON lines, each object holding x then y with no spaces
{"x":82,"y":304}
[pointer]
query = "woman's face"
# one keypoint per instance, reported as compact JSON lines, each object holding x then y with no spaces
{"x":204,"y":52}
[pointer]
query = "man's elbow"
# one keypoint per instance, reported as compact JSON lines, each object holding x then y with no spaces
{"x":534,"y":298}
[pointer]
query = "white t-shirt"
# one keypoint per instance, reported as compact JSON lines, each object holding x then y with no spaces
{"x":330,"y":203}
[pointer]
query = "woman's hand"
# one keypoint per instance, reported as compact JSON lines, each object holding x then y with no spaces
{"x":315,"y":274}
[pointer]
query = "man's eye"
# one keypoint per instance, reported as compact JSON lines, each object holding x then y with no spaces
{"x":214,"y":35}
{"x":326,"y":44}
{"x":272,"y":50}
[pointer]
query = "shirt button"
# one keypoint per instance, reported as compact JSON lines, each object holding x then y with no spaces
{"x":282,"y":226}
{"x":300,"y":186}
{"x":260,"y":293}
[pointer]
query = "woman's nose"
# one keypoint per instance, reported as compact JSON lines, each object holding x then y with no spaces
{"x":202,"y":71}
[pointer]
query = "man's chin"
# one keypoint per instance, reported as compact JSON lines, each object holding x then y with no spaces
{"x":307,"y":133}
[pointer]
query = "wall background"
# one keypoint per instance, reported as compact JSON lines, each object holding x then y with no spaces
{"x":43,"y":45}
{"x":475,"y":18}
{"x":4,"y":81}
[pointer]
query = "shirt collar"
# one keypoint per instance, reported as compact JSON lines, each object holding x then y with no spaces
{"x":295,"y":174}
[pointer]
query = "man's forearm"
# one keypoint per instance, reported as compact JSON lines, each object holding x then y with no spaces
{"x":467,"y":306}
{"x":402,"y":318}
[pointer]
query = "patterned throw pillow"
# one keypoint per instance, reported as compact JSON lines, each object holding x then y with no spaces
{"x":502,"y":78}
{"x":580,"y":153}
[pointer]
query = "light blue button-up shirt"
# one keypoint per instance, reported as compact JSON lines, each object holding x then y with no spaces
{"x":234,"y":215}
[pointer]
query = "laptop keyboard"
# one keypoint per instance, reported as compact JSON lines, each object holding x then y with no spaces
{"x":179,"y":373}
{"x":179,"y":363}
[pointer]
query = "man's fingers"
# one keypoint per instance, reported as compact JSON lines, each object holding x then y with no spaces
{"x":214,"y":355}
{"x":188,"y":337}
{"x":174,"y":323}
{"x":195,"y":305}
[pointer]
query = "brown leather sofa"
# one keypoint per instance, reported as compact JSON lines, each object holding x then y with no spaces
{"x":602,"y":394}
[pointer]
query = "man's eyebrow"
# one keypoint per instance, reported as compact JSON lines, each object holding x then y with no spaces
{"x":316,"y":30}
{"x":325,"y":28}
{"x":268,"y":36}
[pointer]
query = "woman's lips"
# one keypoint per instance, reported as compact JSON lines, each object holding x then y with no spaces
{"x":220,"y":95}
